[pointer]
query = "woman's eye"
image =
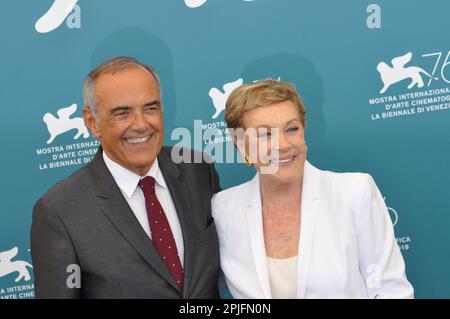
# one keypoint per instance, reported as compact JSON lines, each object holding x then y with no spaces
{"x":292,"y":129}
{"x":264,"y":135}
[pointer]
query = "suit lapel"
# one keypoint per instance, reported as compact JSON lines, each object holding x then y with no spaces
{"x":310,"y":196}
{"x":179,"y":191}
{"x":115,"y":207}
{"x":255,"y":230}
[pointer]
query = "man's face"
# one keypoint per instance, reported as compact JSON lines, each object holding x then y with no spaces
{"x":129,"y":122}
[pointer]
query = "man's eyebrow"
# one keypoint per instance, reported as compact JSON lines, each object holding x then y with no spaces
{"x":154,"y":102}
{"x":127,"y":108}
{"x":119,"y":108}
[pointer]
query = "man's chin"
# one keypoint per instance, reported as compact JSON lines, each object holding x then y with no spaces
{"x":141,"y":167}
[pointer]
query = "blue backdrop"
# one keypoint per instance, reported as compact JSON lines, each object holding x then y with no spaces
{"x":375,"y":78}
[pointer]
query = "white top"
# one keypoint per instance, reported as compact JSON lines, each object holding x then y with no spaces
{"x":282,"y":277}
{"x":128,"y":184}
{"x":346,"y":249}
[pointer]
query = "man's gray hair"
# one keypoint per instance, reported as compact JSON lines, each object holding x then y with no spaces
{"x":111,"y":66}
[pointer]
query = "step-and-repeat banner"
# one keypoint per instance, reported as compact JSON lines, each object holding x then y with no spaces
{"x":375,"y":77}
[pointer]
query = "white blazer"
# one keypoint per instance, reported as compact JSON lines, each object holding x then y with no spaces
{"x":347,"y":247}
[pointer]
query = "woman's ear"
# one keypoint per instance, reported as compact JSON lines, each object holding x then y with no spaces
{"x":239,"y":142}
{"x":91,"y":122}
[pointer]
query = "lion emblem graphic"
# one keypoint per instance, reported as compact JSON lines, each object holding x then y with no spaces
{"x":219,"y":98}
{"x":398,"y":72}
{"x":63,"y":123}
{"x":7,"y":266}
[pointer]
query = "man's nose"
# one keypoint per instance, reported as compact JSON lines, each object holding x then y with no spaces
{"x":139,"y":121}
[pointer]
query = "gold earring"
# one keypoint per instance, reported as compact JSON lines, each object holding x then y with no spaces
{"x":248,"y":161}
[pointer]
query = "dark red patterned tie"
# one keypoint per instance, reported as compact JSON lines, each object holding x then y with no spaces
{"x":162,"y":236}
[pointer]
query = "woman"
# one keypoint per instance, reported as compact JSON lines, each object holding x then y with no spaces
{"x":295,"y":231}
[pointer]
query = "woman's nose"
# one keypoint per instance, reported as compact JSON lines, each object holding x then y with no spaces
{"x":282,"y":143}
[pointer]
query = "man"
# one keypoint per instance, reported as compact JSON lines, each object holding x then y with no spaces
{"x":132,"y":223}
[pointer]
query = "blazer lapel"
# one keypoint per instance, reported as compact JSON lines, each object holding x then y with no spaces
{"x":310,"y":196}
{"x":115,"y":207}
{"x":179,"y":191}
{"x":255,"y":231}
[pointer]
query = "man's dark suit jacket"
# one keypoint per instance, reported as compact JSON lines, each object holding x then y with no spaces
{"x":84,"y":220}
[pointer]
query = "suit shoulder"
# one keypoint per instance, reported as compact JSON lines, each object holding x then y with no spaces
{"x":344,"y":177}
{"x":347,"y":182}
{"x":231,"y":196}
{"x":69,"y":188}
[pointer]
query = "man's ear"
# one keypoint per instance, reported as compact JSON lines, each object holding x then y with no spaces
{"x":91,"y":122}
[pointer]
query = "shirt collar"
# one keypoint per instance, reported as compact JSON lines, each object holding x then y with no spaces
{"x":127,"y":180}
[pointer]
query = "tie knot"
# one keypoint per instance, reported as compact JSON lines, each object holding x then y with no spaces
{"x":147,"y":184}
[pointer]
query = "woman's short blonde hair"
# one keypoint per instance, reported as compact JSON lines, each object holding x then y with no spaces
{"x":261,"y":93}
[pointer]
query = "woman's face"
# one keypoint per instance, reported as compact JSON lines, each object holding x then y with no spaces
{"x":274,"y":141}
